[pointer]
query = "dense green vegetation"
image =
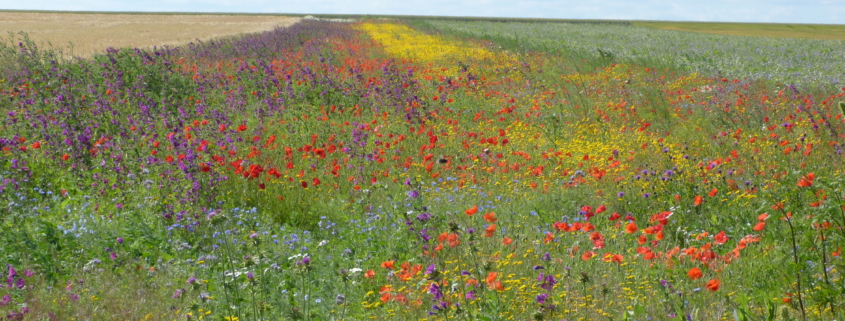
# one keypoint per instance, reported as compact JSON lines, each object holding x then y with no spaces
{"x":486,"y":171}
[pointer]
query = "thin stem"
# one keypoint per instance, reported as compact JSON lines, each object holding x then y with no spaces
{"x":797,"y":273}
{"x":824,"y":265}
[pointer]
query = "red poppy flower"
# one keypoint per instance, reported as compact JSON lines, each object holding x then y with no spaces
{"x":713,"y":285}
{"x":720,"y":238}
{"x":488,"y":232}
{"x":388,"y":264}
{"x":491,"y":277}
{"x":694,"y":273}
{"x":507,"y":240}
{"x":807,"y":180}
{"x":472,"y":210}
{"x":631,"y":228}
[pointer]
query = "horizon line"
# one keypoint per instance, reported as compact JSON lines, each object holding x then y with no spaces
{"x":339,"y":15}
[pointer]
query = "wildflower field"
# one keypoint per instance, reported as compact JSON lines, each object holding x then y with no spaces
{"x":406,"y":171}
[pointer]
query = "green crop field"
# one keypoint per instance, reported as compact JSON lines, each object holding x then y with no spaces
{"x":775,"y":30}
{"x":422,"y":168}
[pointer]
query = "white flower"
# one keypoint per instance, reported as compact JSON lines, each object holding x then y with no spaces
{"x":323,"y":242}
{"x":235,"y":274}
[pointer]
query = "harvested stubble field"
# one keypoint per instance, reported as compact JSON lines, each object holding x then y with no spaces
{"x":92,"y":33}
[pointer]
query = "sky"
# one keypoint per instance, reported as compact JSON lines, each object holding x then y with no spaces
{"x":795,"y":11}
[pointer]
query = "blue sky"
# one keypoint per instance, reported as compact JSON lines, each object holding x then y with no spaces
{"x":796,"y":11}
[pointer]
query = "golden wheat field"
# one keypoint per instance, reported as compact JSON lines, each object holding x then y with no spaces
{"x":91,"y":33}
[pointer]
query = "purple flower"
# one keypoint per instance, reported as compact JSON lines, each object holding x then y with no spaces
{"x":434,"y":289}
{"x":470,"y":295}
{"x":541,"y":298}
{"x":250,"y":275}
{"x":6,"y":299}
{"x":191,"y":280}
{"x":119,"y":240}
{"x":430,"y":269}
{"x":424,"y":217}
{"x":548,"y":282}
